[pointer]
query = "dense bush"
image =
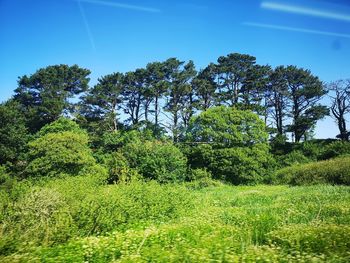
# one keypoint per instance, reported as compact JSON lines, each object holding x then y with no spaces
{"x":335,"y":149}
{"x":231,"y":144}
{"x":119,"y":169}
{"x":60,"y":125}
{"x":227,"y":127}
{"x":156,"y":160}
{"x":237,"y":165}
{"x":241,"y":165}
{"x":60,"y":148}
{"x":334,"y":171}
{"x":149,"y":222}
{"x":56,"y":153}
{"x":293,"y":158}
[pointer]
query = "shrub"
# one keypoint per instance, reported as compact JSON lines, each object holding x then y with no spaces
{"x":335,"y":149}
{"x":241,"y":165}
{"x":238,"y":165}
{"x":119,"y":169}
{"x":60,"y":125}
{"x":56,"y":153}
{"x":335,"y":171}
{"x":199,"y":174}
{"x":156,"y":160}
{"x":293,"y":158}
{"x":227,"y":127}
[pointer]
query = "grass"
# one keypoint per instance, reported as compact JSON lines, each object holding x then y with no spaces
{"x":76,"y":221}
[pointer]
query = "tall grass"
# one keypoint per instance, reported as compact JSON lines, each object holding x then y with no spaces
{"x":80,"y":220}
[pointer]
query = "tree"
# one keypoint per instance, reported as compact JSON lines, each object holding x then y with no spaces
{"x":232,"y":74}
{"x":103,"y":100}
{"x":231,"y":143}
{"x":204,"y":86}
{"x":133,"y":94}
{"x":227,"y":127}
{"x":63,"y":152}
{"x":254,"y":89}
{"x":305,"y":91}
{"x":178,"y":77}
{"x":44,"y":96}
{"x":340,"y":95}
{"x":156,"y":72}
{"x":13,"y":132}
{"x":277,"y":98}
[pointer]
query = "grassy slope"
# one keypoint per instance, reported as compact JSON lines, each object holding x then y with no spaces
{"x":215,"y":224}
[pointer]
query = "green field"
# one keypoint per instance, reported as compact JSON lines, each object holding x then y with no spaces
{"x":77,"y":220}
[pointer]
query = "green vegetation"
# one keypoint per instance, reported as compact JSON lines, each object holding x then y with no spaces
{"x":154,"y":165}
{"x":335,"y":171}
{"x":78,"y":219}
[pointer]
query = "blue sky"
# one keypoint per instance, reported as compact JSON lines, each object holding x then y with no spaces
{"x":121,"y":35}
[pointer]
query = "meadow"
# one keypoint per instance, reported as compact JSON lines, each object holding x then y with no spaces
{"x":80,"y":219}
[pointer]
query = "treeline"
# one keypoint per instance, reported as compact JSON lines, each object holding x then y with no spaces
{"x":165,"y":95}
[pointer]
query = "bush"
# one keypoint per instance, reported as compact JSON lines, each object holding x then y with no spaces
{"x":55,"y":153}
{"x":335,"y":171}
{"x":241,"y":165}
{"x":156,"y":160}
{"x":335,"y":149}
{"x":60,"y":125}
{"x":293,"y":158}
{"x":119,"y":169}
{"x":227,"y":127}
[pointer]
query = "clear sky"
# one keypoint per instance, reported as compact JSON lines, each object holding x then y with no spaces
{"x":121,"y":35}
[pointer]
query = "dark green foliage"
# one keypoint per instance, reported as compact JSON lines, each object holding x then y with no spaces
{"x":119,"y":169}
{"x":292,"y":158}
{"x":204,"y":86}
{"x":99,"y":106}
{"x":335,"y":149}
{"x":156,"y":160}
{"x":13,"y":133}
{"x":334,"y":171}
{"x":44,"y":96}
{"x":179,"y":104}
{"x":241,"y":82}
{"x":241,"y":165}
{"x":305,"y":90}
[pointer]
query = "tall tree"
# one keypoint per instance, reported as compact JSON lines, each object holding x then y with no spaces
{"x":233,"y":72}
{"x":254,"y":89}
{"x":339,"y":92}
{"x":45,"y":95}
{"x":277,"y":98}
{"x":102,"y":102}
{"x":133,"y":94}
{"x":204,"y":86}
{"x":305,"y":91}
{"x":178,"y":77}
{"x":157,"y":86}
